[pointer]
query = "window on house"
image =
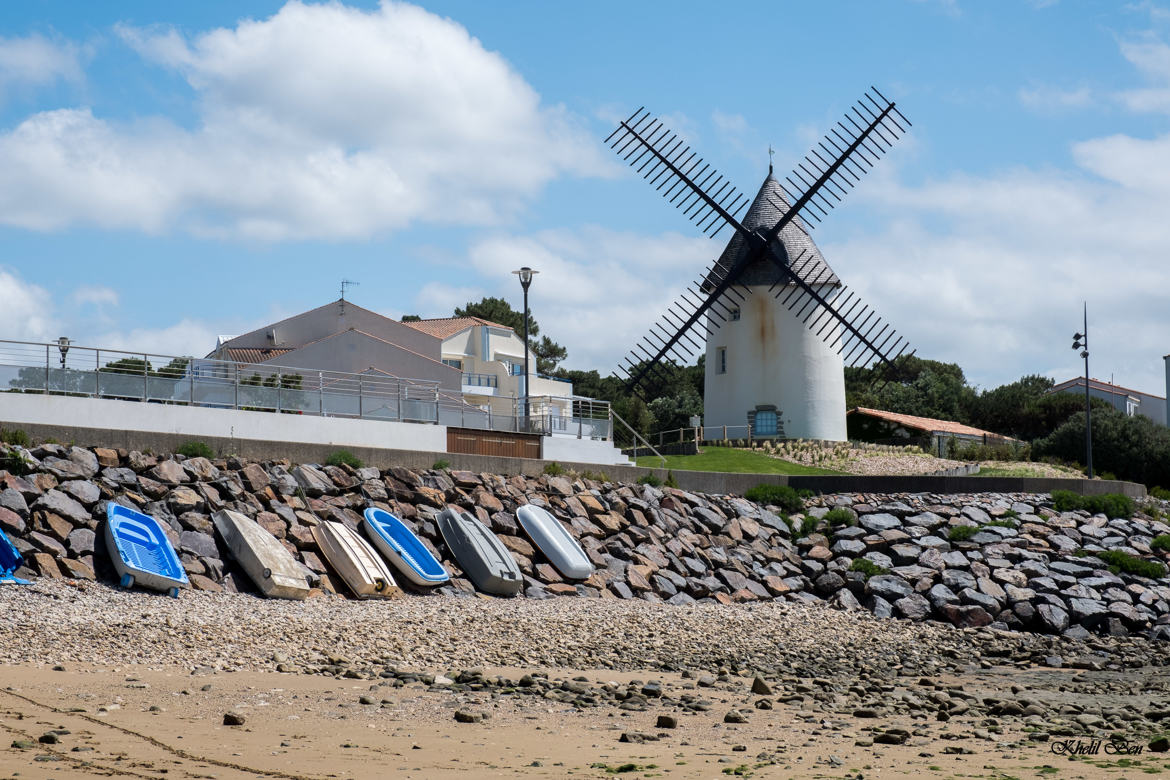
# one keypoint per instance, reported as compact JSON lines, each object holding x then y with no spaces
{"x":735,"y":314}
{"x":721,"y":360}
{"x":454,"y":363}
{"x":765,"y":423}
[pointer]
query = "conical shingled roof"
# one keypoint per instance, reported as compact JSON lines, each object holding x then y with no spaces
{"x":765,"y":211}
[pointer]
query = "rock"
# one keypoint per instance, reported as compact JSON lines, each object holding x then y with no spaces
{"x":827,"y":584}
{"x":199,"y":544}
{"x":81,"y":542}
{"x":1159,"y":745}
{"x":233,"y":719}
{"x":892,"y":737}
{"x":913,"y":607}
{"x":12,"y":523}
{"x":966,"y":615}
{"x":83,"y":491}
{"x":666,"y":722}
{"x":60,"y":504}
{"x":888,"y":587}
{"x":735,"y":716}
{"x":760,"y":687}
{"x":75,"y":569}
{"x":1053,"y":618}
{"x":466,"y":716}
{"x":879,"y":522}
{"x":170,"y":472}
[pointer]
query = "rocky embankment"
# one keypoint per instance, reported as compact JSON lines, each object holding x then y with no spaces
{"x":1025,"y":566}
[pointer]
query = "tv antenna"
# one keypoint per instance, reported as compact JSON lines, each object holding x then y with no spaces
{"x":346,"y":283}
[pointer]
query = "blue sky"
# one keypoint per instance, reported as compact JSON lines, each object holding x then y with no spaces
{"x":175,"y":171}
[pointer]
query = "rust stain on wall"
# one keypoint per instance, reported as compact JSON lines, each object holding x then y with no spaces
{"x":765,"y":327}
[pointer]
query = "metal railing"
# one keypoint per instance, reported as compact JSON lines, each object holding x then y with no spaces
{"x":30,"y":367}
{"x":480,"y":380}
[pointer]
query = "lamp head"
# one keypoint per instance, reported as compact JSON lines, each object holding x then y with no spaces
{"x":525,"y":274}
{"x":63,"y":344}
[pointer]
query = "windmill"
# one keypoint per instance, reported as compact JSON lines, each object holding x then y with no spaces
{"x":778,"y":324}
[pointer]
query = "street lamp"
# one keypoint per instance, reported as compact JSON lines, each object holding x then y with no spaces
{"x":1081,"y":342}
{"x":63,"y":347}
{"x":525,"y":274}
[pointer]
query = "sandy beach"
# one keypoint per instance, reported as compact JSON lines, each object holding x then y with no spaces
{"x":100,"y":682}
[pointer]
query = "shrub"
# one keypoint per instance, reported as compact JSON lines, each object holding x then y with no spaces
{"x":650,"y":479}
{"x":16,"y":463}
{"x":195,"y":449}
{"x":15,"y":437}
{"x":961,"y":533}
{"x":1161,"y":542}
{"x":1160,"y":493}
{"x":671,"y":482}
{"x":778,"y":495}
{"x":1004,"y":522}
{"x":1124,"y":562}
{"x":1113,"y":505}
{"x":343,"y":457}
{"x":554,"y":469}
{"x":840,"y":516}
{"x":808,"y":525}
{"x":439,"y":465}
{"x":867,"y":567}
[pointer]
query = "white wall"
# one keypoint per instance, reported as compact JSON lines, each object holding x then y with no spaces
{"x":773,"y":358}
{"x":196,"y":421}
{"x":572,"y":450}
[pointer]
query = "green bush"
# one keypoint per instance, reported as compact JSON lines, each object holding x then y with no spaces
{"x":777,"y":495}
{"x":343,"y":458}
{"x":1003,"y":522}
{"x":867,"y":567}
{"x":671,"y":482}
{"x":554,"y":469}
{"x":1161,"y":542}
{"x":195,"y":449}
{"x":650,"y":479}
{"x":1160,"y":493}
{"x":1112,"y":505}
{"x":961,"y":533}
{"x":441,"y":464}
{"x":15,"y":437}
{"x":840,"y":516}
{"x":1124,"y":562}
{"x":808,"y":525}
{"x":1135,"y":448}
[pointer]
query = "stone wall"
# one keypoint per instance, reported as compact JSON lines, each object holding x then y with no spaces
{"x":1025,"y":566}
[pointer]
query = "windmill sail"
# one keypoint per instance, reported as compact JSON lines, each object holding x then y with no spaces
{"x":775,"y":232}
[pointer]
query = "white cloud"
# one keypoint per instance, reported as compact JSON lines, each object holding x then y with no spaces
{"x":26,"y":310}
{"x":35,"y":61}
{"x":990,"y":272}
{"x":320,"y":121}
{"x":1152,"y":59}
{"x":598,"y":290}
{"x":187,"y":337}
{"x":95,"y":295}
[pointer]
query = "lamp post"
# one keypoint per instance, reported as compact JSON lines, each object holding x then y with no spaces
{"x":63,"y":347}
{"x":525,"y":274}
{"x":1081,"y":342}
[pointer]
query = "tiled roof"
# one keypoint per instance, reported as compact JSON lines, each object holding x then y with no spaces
{"x":445,"y":327}
{"x":251,"y":355}
{"x":925,"y":423}
{"x":1097,"y":384}
{"x":767,"y":208}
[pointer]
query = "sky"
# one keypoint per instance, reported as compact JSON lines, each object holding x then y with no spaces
{"x":174,"y":171}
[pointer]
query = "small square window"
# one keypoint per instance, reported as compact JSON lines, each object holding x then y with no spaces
{"x":765,"y":423}
{"x":721,"y":360}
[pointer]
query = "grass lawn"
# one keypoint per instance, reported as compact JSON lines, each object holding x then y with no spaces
{"x":730,"y":460}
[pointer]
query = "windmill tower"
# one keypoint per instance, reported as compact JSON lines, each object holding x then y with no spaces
{"x":779,"y":325}
{"x":764,"y":367}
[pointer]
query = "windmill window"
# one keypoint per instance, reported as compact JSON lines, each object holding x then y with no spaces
{"x":721,"y":360}
{"x":765,"y":423}
{"x":735,"y":314}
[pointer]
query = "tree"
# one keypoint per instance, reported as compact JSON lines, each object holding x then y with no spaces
{"x":548,"y":353}
{"x":912,"y":385}
{"x":1134,"y":448}
{"x":411,"y":318}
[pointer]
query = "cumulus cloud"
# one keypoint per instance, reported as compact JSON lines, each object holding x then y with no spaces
{"x":598,"y":290}
{"x":321,"y":121}
{"x":26,"y":309}
{"x":1047,"y":98}
{"x":94,"y":295}
{"x":36,"y":61}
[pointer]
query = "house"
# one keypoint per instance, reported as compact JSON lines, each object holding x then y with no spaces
{"x":342,"y":337}
{"x":881,"y":427}
{"x":1123,"y":399}
{"x":490,"y":358}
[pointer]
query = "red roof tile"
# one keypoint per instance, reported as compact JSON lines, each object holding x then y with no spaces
{"x":253,"y":355}
{"x":445,"y":327}
{"x":925,"y":423}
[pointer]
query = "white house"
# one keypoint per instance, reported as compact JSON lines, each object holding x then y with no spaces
{"x":764,"y":366}
{"x":491,"y":359}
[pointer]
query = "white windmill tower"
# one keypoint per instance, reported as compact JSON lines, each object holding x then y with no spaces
{"x":765,"y":367}
{"x":779,"y":325}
